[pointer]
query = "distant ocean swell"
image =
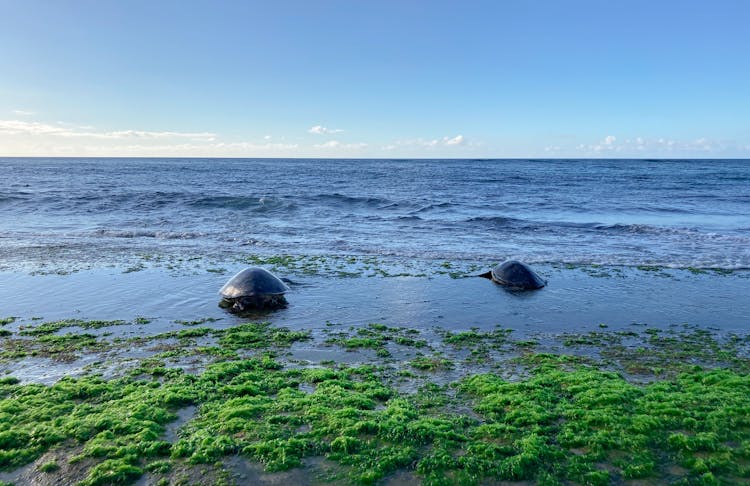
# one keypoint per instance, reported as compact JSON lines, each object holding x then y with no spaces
{"x":24,"y":202}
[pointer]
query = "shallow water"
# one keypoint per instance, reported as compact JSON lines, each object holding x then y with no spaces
{"x":574,"y":300}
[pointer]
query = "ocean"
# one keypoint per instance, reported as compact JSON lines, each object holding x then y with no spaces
{"x":626,"y":245}
{"x":669,"y":213}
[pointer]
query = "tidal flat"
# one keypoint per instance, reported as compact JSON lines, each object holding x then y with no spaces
{"x":375,"y":374}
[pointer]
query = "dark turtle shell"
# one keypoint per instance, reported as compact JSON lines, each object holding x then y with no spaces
{"x":253,"y":281}
{"x":518,"y":275}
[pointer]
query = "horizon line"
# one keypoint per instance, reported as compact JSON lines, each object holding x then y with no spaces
{"x":363,"y":158}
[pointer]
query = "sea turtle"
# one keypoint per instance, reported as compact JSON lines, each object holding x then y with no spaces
{"x":253,"y":288}
{"x":515,"y":274}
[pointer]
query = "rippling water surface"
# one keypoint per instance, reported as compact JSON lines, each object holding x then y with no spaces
{"x":622,"y":212}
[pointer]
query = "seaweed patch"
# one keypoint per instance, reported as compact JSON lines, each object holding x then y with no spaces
{"x":587,"y":418}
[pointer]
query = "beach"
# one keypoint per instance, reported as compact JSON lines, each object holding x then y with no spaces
{"x":338,"y":243}
{"x":393,"y":363}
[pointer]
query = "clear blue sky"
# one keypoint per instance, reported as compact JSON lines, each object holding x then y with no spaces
{"x":408,"y":78}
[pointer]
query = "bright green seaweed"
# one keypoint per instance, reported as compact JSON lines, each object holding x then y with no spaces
{"x":566,"y":419}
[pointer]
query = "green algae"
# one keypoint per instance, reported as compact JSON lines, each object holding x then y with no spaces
{"x":119,"y":421}
{"x":278,"y":424}
{"x":342,"y":266}
{"x":527,"y":432}
{"x":54,"y":326}
{"x":375,"y":336}
{"x":65,"y":347}
{"x":605,"y":419}
{"x":431,"y":363}
{"x":47,"y":467}
{"x":355,"y":266}
{"x":659,"y":353}
{"x":474,"y":337}
{"x":54,"y":344}
{"x":566,"y":419}
{"x":112,"y":471}
{"x":258,"y":335}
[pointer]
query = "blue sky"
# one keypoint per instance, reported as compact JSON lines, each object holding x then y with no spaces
{"x":383,"y":78}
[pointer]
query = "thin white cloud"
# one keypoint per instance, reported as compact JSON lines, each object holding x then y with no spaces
{"x":17,"y":127}
{"x":321,"y":130}
{"x":458,"y":140}
{"x":644,"y":147}
{"x":218,"y":149}
{"x":20,"y":127}
{"x":23,"y":112}
{"x":122,"y":134}
{"x":26,"y":137}
{"x":335,"y":144}
{"x":251,"y":146}
{"x":20,"y":137}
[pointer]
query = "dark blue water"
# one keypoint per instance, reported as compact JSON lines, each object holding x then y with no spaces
{"x":624,"y":212}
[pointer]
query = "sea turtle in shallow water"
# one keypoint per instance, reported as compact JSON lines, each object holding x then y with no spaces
{"x":253,"y":288}
{"x":515,"y":274}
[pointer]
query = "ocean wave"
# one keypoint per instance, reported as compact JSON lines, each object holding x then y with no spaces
{"x":11,"y":200}
{"x":434,"y":206}
{"x":162,"y":235}
{"x":628,"y":228}
{"x":658,"y":210}
{"x":633,"y":229}
{"x":677,"y":234}
{"x":496,"y":220}
{"x":392,"y":205}
{"x":255,"y":203}
{"x":558,"y":211}
{"x":359,"y":201}
{"x":81,"y":202}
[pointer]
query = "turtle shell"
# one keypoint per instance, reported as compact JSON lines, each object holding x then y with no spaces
{"x":253,"y":281}
{"x":516,"y":274}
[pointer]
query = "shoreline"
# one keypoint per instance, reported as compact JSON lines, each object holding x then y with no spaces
{"x":312,"y":394}
{"x":360,"y":290}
